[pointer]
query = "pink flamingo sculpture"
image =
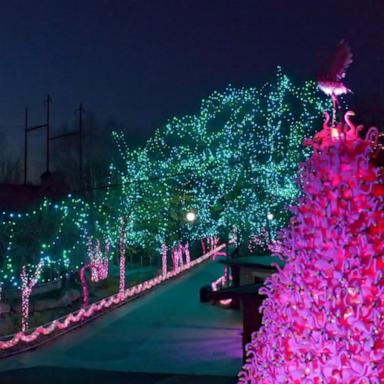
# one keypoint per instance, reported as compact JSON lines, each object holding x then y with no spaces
{"x":330,"y":81}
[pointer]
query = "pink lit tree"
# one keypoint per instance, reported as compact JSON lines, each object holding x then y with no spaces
{"x":323,"y":316}
{"x":100,"y":262}
{"x":27,"y":283}
{"x":187,"y":252}
{"x":178,"y":253}
{"x":164,"y":265}
{"x":177,"y":258}
{"x":122,"y":245}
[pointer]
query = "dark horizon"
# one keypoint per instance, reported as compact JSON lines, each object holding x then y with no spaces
{"x":141,"y":62}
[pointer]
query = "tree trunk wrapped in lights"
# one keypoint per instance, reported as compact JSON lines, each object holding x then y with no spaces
{"x":164,"y":265}
{"x":1,"y":290}
{"x":187,"y":253}
{"x":323,"y":317}
{"x":27,"y":283}
{"x":177,"y":258}
{"x":83,"y":279}
{"x":180,"y":252}
{"x":203,"y":247}
{"x":122,"y":237}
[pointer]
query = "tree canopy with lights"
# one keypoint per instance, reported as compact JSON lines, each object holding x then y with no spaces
{"x":231,"y":164}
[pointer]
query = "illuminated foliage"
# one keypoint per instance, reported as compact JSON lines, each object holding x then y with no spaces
{"x":231,"y":164}
{"x":53,"y":231}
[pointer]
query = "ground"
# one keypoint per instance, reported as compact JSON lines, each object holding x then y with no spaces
{"x":167,"y":336}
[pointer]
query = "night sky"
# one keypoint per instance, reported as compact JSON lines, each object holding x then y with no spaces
{"x":141,"y":62}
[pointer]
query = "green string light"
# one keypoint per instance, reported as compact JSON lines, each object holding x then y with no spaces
{"x":232,"y":163}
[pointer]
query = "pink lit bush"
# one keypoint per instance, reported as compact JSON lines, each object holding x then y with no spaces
{"x":323,"y":316}
{"x":98,"y":260}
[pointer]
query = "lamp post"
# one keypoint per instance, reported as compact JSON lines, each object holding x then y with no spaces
{"x":270,"y":217}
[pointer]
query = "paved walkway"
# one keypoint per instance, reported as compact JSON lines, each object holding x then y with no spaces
{"x":167,"y":333}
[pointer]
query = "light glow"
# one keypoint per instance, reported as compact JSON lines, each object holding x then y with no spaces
{"x":191,"y":216}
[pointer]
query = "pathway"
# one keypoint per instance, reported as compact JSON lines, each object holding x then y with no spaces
{"x":165,"y":334}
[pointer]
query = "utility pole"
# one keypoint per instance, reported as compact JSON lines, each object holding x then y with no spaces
{"x":25,"y":146}
{"x":49,"y":101}
{"x":28,"y":129}
{"x":80,"y":129}
{"x":77,"y":132}
{"x":49,"y":138}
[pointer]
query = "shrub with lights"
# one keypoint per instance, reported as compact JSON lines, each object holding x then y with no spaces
{"x":53,"y":231}
{"x":323,"y":316}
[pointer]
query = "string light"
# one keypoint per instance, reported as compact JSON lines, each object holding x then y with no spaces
{"x":164,"y":264}
{"x":122,"y":254}
{"x":27,"y":283}
{"x":56,"y":232}
{"x":89,"y":310}
{"x":231,"y":162}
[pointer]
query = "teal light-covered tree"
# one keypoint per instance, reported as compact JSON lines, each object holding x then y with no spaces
{"x":232,"y":163}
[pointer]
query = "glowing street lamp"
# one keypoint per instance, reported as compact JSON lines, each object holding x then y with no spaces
{"x":191,"y":216}
{"x":270,"y":217}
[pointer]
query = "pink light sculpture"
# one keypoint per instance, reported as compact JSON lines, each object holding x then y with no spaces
{"x":213,"y":243}
{"x":331,"y":81}
{"x":323,"y":316}
{"x":220,"y":283}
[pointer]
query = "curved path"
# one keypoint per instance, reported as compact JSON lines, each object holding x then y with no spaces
{"x":167,"y":331}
